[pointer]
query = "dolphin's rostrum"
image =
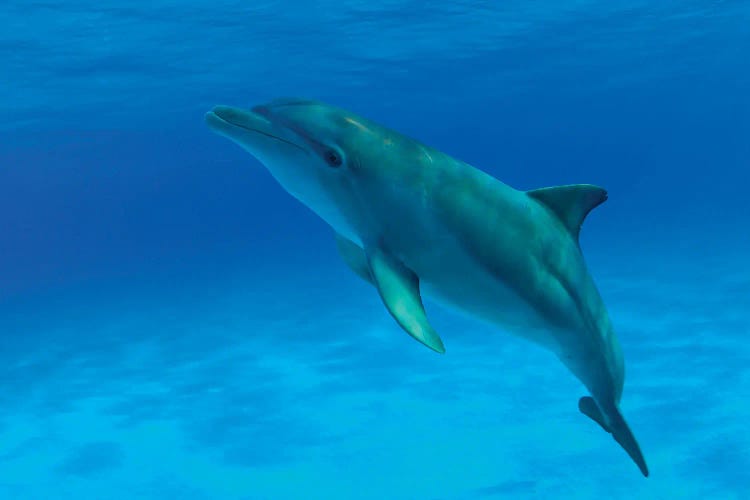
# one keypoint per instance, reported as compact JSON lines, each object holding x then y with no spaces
{"x":412,"y":220}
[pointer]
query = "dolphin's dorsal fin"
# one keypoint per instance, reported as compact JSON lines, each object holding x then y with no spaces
{"x":570,"y":203}
{"x":399,"y":288}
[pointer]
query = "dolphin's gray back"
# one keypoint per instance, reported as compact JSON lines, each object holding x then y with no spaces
{"x":528,"y":272}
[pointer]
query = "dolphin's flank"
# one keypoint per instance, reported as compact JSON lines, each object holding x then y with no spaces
{"x":411,"y":220}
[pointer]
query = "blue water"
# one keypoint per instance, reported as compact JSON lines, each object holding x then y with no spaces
{"x":174,"y":325}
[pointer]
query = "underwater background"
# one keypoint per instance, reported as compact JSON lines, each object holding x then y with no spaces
{"x":174,"y":325}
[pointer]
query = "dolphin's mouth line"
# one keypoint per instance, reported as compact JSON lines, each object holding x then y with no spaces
{"x":258,"y":131}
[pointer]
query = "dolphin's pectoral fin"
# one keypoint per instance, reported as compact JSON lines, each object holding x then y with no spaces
{"x":399,"y":288}
{"x":571,"y":203}
{"x":354,"y":257}
{"x":616,"y":425}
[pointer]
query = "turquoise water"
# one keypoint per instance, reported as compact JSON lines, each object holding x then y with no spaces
{"x":175,"y":325}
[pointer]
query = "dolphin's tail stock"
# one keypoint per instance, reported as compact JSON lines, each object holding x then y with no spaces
{"x":615,"y":424}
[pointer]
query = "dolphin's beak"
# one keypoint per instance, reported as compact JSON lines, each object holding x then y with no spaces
{"x":223,"y":119}
{"x":249,"y":128}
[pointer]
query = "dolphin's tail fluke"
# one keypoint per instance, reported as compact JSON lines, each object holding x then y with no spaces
{"x":615,"y":424}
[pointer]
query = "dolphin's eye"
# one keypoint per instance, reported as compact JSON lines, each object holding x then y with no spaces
{"x":333,"y":158}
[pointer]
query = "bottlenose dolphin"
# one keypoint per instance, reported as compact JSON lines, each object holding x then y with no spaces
{"x":410,"y":219}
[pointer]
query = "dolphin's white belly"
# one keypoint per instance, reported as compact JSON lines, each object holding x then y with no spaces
{"x":454,"y":278}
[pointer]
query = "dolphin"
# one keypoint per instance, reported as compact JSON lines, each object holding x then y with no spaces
{"x":410,"y":219}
